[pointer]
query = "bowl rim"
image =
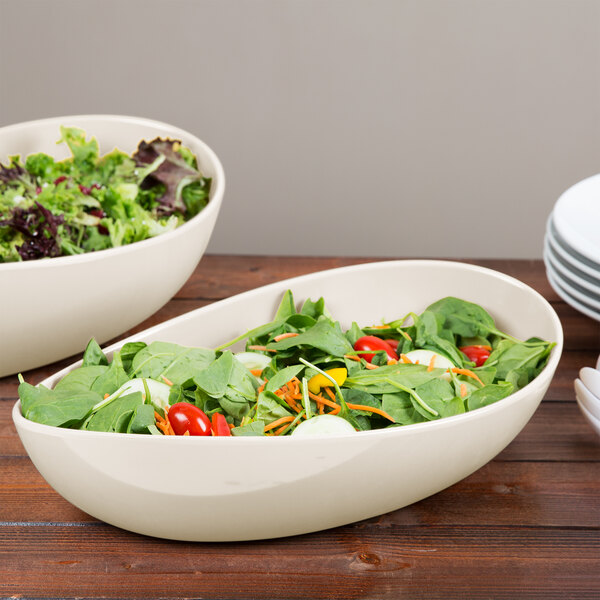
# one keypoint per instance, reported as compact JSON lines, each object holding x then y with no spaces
{"x":213,"y":206}
{"x":504,"y":403}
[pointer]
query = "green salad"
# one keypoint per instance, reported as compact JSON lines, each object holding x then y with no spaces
{"x":51,"y":208}
{"x":299,"y":374}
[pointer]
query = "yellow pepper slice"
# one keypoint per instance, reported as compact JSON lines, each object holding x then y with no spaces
{"x":318,"y":381}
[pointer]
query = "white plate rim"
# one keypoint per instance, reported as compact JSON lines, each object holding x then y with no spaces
{"x":593,"y":302}
{"x":582,"y":308}
{"x":562,"y":250}
{"x":576,"y":200}
{"x":566,"y":274}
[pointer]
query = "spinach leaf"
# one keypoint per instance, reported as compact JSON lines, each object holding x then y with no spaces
{"x":254,"y":428}
{"x":116,"y":415}
{"x":439,"y":395}
{"x":314,"y":309}
{"x":282,"y":377}
{"x":400,"y":407}
{"x":286,"y":307}
{"x":111,"y":379}
{"x":127,"y":354}
{"x":60,"y":408}
{"x":177,"y":363}
{"x":214,"y":379}
{"x":324,"y":336}
{"x":489,"y":394}
{"x":465,"y":318}
{"x":142,"y":420}
{"x":81,"y":379}
{"x":93,"y":355}
{"x":269,"y":408}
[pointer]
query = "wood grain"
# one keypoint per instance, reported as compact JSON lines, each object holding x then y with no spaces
{"x":526,"y":525}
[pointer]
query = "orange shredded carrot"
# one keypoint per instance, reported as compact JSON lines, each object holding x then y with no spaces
{"x":322,"y":400}
{"x":467,"y":373}
{"x":262,"y":387}
{"x":368,"y":365}
{"x":335,"y":411}
{"x":405,"y":359}
{"x":463,"y":390}
{"x":284,"y":336}
{"x":261,"y":348}
{"x":167,"y":381}
{"x":330,"y":393}
{"x":231,"y":425}
{"x":352,"y":357}
{"x":281,"y":429}
{"x":372,"y":409}
{"x":380,"y":327}
{"x":256,"y":372}
{"x":431,"y":363}
{"x":277,"y":423}
{"x":405,"y":334}
{"x":106,"y":395}
{"x":392,"y":361}
{"x":186,"y":432}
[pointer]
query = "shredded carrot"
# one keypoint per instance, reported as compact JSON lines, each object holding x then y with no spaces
{"x":380,"y":327}
{"x":330,"y":393}
{"x":368,"y":365}
{"x":405,"y":359}
{"x":284,"y":336}
{"x":186,"y":432}
{"x":431,"y":363}
{"x":352,"y":357}
{"x":281,"y":429}
{"x":322,"y":400}
{"x":377,"y":411}
{"x":405,"y":334}
{"x":277,"y":423}
{"x":231,"y":425}
{"x":392,"y":361}
{"x":106,"y":395}
{"x":463,"y":390}
{"x":335,"y":411}
{"x":256,"y":372}
{"x":167,"y":381}
{"x":261,"y":348}
{"x":467,"y":373}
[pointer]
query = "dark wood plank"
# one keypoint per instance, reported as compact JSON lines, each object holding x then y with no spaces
{"x":365,"y":561}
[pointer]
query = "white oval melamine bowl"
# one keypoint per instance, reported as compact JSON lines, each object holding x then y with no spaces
{"x":49,"y":308}
{"x":216,"y":489}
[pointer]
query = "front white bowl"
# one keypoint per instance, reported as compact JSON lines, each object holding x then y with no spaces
{"x":218,"y":489}
{"x":50,"y":308}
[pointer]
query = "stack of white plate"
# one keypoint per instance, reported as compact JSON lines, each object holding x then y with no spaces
{"x":572,"y":247}
{"x":587,"y":391}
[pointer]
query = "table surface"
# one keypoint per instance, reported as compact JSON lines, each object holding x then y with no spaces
{"x":526,"y":525}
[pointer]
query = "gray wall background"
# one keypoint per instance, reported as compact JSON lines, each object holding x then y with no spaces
{"x":376,"y":128}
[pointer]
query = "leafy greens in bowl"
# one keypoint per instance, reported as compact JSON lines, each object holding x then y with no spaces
{"x":300,"y":373}
{"x":51,"y":208}
{"x":51,"y":307}
{"x":248,"y":483}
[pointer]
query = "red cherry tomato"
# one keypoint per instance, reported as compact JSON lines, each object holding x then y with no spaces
{"x":187,"y":417}
{"x":220,"y":425}
{"x":371,"y":342}
{"x":476,"y":354}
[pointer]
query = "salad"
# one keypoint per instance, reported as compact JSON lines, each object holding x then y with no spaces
{"x":299,"y":374}
{"x":89,"y":202}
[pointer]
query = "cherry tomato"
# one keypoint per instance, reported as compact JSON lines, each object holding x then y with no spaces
{"x":220,"y":425}
{"x":371,"y":342}
{"x":187,"y":417}
{"x":476,"y":354}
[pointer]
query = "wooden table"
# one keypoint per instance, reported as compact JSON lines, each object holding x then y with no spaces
{"x":526,"y":525}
